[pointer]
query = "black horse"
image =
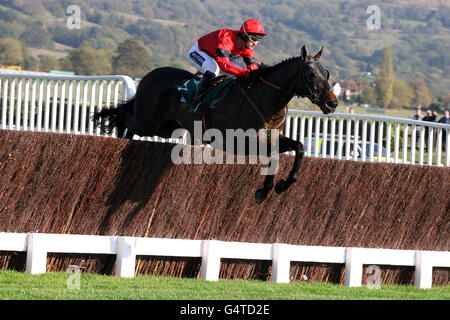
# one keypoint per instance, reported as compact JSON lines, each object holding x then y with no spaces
{"x":251,"y":103}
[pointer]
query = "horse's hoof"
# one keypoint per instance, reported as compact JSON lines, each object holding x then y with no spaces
{"x":260,"y":196}
{"x":281,"y":186}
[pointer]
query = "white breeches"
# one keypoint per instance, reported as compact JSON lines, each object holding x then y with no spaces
{"x":204,"y":62}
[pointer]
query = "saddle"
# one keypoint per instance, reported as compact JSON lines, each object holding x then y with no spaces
{"x":216,"y":92}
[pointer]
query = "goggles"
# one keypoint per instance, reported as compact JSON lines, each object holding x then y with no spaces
{"x":252,"y":37}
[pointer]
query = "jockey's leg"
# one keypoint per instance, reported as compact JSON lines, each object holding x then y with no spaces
{"x":202,"y":61}
{"x":210,"y":69}
{"x":203,"y":85}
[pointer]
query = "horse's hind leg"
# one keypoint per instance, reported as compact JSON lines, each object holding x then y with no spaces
{"x":287,"y":144}
{"x":123,"y":131}
{"x":133,"y":125}
{"x":125,"y":134}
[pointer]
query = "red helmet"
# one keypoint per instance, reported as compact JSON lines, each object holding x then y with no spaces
{"x":252,"y":26}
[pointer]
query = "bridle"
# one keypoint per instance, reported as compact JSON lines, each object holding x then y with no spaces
{"x":311,"y":94}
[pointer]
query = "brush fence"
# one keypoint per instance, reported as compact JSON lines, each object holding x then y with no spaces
{"x":65,"y":104}
{"x":37,"y":245}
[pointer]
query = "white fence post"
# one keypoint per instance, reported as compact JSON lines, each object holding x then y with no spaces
{"x":36,"y":254}
{"x":353,"y":267}
{"x":126,"y":257}
{"x":210,"y":260}
{"x":424,"y":270}
{"x":280,"y":263}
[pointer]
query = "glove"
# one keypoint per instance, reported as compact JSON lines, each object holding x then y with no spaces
{"x":251,"y":67}
{"x":262,"y":65}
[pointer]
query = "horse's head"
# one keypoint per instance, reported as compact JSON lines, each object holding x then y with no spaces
{"x":314,"y":79}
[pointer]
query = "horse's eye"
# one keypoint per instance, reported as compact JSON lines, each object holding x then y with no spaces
{"x":312,"y":75}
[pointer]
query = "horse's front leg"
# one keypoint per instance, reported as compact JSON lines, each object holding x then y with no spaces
{"x":261,"y":194}
{"x":287,"y":144}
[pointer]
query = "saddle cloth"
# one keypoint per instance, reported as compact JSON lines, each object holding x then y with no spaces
{"x":215,"y":93}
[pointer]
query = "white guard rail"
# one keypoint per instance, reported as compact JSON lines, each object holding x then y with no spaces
{"x":58,"y":103}
{"x":65,"y":104}
{"x":370,"y":138}
{"x":37,"y":245}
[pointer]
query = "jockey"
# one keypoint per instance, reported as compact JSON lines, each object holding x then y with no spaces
{"x":217,"y":52}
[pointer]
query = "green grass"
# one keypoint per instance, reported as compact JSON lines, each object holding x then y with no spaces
{"x":49,"y":286}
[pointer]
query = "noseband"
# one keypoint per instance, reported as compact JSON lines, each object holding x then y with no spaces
{"x":313,"y":96}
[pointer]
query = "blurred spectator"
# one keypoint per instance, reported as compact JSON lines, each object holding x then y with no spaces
{"x":431,"y":117}
{"x":445,"y":120}
{"x":418,"y":115}
{"x":351,"y":110}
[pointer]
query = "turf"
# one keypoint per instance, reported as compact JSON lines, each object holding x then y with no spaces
{"x":64,"y":286}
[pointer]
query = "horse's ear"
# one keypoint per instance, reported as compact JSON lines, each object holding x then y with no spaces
{"x":318,"y":54}
{"x":304,"y":54}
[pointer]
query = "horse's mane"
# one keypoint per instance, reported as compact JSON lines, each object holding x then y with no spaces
{"x":265,"y":70}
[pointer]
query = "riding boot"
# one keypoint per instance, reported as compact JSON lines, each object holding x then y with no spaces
{"x":203,"y":85}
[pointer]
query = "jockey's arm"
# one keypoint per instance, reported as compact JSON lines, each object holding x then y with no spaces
{"x":251,"y":63}
{"x":255,"y":65}
{"x":223,"y":60}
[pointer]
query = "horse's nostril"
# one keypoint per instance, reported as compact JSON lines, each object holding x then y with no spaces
{"x":331,"y":104}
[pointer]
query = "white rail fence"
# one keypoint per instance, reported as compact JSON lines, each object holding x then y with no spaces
{"x":61,"y":104}
{"x":65,"y":104}
{"x":37,"y":245}
{"x":370,"y":138}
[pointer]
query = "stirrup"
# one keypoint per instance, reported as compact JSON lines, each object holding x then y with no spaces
{"x":197,"y":110}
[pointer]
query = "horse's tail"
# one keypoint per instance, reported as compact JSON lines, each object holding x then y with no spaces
{"x":112,"y":118}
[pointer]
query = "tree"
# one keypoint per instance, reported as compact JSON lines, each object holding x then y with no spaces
{"x":11,"y":52}
{"x":132,"y":58}
{"x":36,"y":36}
{"x":87,"y":61}
{"x":7,"y":30}
{"x":403,"y":94}
{"x":422,"y":94}
{"x":73,"y":38}
{"x":47,"y":63}
{"x":385,"y":78}
{"x":368,"y":95}
{"x":65,"y":63}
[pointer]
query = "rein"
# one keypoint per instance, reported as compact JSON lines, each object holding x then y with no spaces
{"x":245,"y":96}
{"x":313,"y":96}
{"x":278,"y":87}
